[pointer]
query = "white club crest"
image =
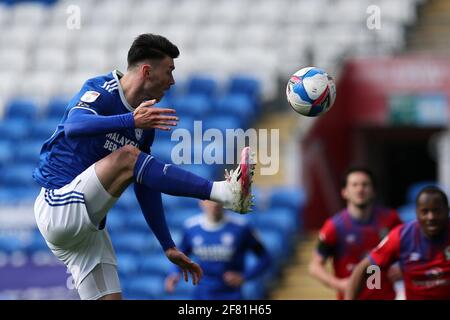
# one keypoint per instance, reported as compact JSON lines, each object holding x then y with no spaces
{"x":227,"y":239}
{"x":197,"y":240}
{"x":138,"y":133}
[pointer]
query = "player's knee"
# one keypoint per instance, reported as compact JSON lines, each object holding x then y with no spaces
{"x":127,"y":156}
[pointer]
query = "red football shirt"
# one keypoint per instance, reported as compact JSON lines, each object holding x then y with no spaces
{"x":348,"y":241}
{"x":425,"y":263}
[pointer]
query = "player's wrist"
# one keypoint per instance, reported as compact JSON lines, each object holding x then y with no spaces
{"x":170,"y":249}
{"x":129,"y":120}
{"x":335,"y":283}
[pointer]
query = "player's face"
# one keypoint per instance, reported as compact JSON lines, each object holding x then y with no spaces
{"x":213,"y":210}
{"x":160,"y":79}
{"x":359,"y":189}
{"x":432,"y":214}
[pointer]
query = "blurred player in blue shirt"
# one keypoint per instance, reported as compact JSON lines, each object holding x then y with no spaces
{"x":99,"y":148}
{"x":219,"y":244}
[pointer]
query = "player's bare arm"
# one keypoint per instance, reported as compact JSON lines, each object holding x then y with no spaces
{"x":317,"y":268}
{"x":357,"y":279}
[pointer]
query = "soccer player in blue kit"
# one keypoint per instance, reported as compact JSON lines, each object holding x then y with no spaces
{"x":219,"y":243}
{"x":99,"y":148}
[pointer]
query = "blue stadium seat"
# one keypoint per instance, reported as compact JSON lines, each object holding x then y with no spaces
{"x":236,"y":104}
{"x":415,"y":188}
{"x":17,"y":176}
{"x":177,"y":218}
{"x":14,"y":130}
{"x":6,"y":153}
{"x":144,"y":287}
{"x":293,"y":198}
{"x":189,"y":203}
{"x":116,"y":221}
{"x":161,"y":135}
{"x":171,"y":202}
{"x":250,"y":262}
{"x":177,"y":296}
{"x":192,"y":104}
{"x":246,"y":85}
{"x":155,"y":264}
{"x":177,"y":203}
{"x":37,"y":243}
{"x":135,"y":221}
{"x":261,"y":198}
{"x":253,"y":290}
{"x":127,"y":201}
{"x":407,"y":212}
{"x":21,"y":109}
{"x":162,"y":150}
{"x":128,"y":264}
{"x":24,"y":193}
{"x":28,"y":153}
{"x":42,"y":130}
{"x":222,"y":123}
{"x":186,"y":121}
{"x":7,"y":196}
{"x":274,"y":242}
{"x":10,"y":244}
{"x":177,"y":235}
{"x":202,"y":85}
{"x":56,"y":108}
{"x":166,"y":102}
{"x":281,"y":219}
{"x":133,"y":242}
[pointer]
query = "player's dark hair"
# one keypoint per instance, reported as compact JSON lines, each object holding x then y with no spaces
{"x":433,"y":190}
{"x":151,"y":47}
{"x":354,"y":169}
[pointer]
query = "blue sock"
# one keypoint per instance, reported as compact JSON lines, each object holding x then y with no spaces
{"x":170,"y":179}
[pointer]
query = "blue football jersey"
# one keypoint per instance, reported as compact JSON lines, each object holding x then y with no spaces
{"x":217,"y":249}
{"x":63,"y":158}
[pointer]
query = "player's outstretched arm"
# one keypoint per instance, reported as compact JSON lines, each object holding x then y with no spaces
{"x":186,"y":265}
{"x":357,"y":279}
{"x":85,"y":122}
{"x":152,"y":208}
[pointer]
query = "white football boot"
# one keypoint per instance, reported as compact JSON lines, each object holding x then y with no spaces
{"x":240,"y":182}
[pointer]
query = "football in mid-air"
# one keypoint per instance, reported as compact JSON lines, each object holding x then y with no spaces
{"x":311,"y":91}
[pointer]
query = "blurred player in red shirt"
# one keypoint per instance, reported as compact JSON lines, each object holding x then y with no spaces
{"x":349,"y":235}
{"x":422,"y":247}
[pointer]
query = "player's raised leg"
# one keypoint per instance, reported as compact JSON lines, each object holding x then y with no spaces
{"x":120,"y":168}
